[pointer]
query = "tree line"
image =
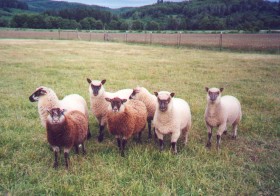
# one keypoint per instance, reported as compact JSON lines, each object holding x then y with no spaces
{"x":250,"y":15}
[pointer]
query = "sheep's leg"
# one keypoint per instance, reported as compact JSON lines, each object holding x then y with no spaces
{"x":234,"y":129}
{"x":83,"y":149}
{"x":174,"y":138}
{"x":101,"y":134}
{"x":209,"y":130}
{"x":220,"y":131}
{"x":55,"y":164}
{"x":174,"y":147}
{"x":139,"y":137}
{"x":88,"y":134}
{"x":66,"y":157}
{"x":150,"y":127}
{"x":123,"y":146}
{"x":119,"y":143}
{"x":76,"y":149}
{"x":186,"y":136}
{"x":155,"y":135}
{"x":160,"y":139}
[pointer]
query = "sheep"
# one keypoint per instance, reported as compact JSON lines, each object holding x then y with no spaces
{"x":47,"y":99}
{"x":99,"y":105}
{"x":172,"y":116}
{"x":126,"y":118}
{"x":150,"y":100}
{"x":65,"y":130}
{"x":220,"y":111}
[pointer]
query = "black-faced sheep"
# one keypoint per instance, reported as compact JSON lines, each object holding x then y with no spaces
{"x":125,"y":119}
{"x":172,"y":116}
{"x":150,"y":100}
{"x":47,"y":99}
{"x":219,"y":112}
{"x":65,"y":130}
{"x":99,"y":105}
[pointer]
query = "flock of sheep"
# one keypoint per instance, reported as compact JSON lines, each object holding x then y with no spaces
{"x":125,"y":113}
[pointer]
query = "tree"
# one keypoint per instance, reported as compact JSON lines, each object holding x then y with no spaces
{"x":152,"y":25}
{"x":137,"y":25}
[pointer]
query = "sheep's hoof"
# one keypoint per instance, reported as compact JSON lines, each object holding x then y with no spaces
{"x":175,"y":152}
{"x":100,"y":138}
{"x":122,"y":154}
{"x":225,"y":132}
{"x":233,"y":137}
{"x":55,"y":165}
{"x":208,"y":145}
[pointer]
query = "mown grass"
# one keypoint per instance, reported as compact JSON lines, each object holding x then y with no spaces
{"x":248,"y":166}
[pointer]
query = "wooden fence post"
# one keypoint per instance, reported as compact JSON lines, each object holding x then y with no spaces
{"x":221,"y":41}
{"x":151,"y":37}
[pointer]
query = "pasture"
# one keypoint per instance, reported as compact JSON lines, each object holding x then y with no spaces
{"x":249,"y":165}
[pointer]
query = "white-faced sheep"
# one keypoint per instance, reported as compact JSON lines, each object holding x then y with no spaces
{"x":125,"y":119}
{"x":47,"y":99}
{"x":99,"y":105}
{"x":172,"y":116}
{"x":219,"y":112}
{"x":150,"y":100}
{"x":65,"y":130}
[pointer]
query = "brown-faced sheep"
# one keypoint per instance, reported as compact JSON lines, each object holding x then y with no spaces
{"x":99,"y":105}
{"x":172,"y":116}
{"x":125,"y":119}
{"x":219,"y":112}
{"x":65,"y":130}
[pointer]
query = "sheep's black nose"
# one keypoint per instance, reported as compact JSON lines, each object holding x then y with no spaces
{"x":31,"y":99}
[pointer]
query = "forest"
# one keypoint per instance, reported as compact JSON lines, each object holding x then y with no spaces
{"x":248,"y":15}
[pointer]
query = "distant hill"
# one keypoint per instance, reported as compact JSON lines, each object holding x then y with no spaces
{"x":44,"y":5}
{"x":249,"y":15}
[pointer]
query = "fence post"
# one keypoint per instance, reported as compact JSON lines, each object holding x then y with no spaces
{"x":179,"y":39}
{"x":151,"y":37}
{"x":221,"y":41}
{"x":59,"y":34}
{"x":90,"y":35}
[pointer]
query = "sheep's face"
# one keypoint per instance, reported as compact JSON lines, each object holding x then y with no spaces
{"x":96,"y":86}
{"x":37,"y":94}
{"x":134,"y":93}
{"x":56,"y":115}
{"x":214,"y":94}
{"x":164,"y":99}
{"x":116,"y":104}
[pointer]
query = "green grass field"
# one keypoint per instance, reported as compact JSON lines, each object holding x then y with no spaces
{"x":248,"y":166}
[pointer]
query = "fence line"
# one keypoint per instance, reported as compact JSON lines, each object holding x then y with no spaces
{"x":256,"y":42}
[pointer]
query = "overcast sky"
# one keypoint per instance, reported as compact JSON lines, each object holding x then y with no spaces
{"x":117,"y":3}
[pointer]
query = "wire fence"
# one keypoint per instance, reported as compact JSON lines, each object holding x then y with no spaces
{"x":266,"y":42}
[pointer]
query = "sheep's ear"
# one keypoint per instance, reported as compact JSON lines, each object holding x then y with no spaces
{"x":108,"y":99}
{"x":172,"y":94}
{"x":88,"y":80}
{"x":207,"y":89}
{"x":43,"y":92}
{"x":63,"y":111}
{"x":103,"y":82}
{"x":124,"y":100}
{"x":221,"y":89}
{"x":156,"y":93}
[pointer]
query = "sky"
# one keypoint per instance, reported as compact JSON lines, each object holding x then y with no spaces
{"x":117,"y":3}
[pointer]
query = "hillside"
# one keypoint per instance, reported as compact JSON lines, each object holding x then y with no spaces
{"x":249,"y":15}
